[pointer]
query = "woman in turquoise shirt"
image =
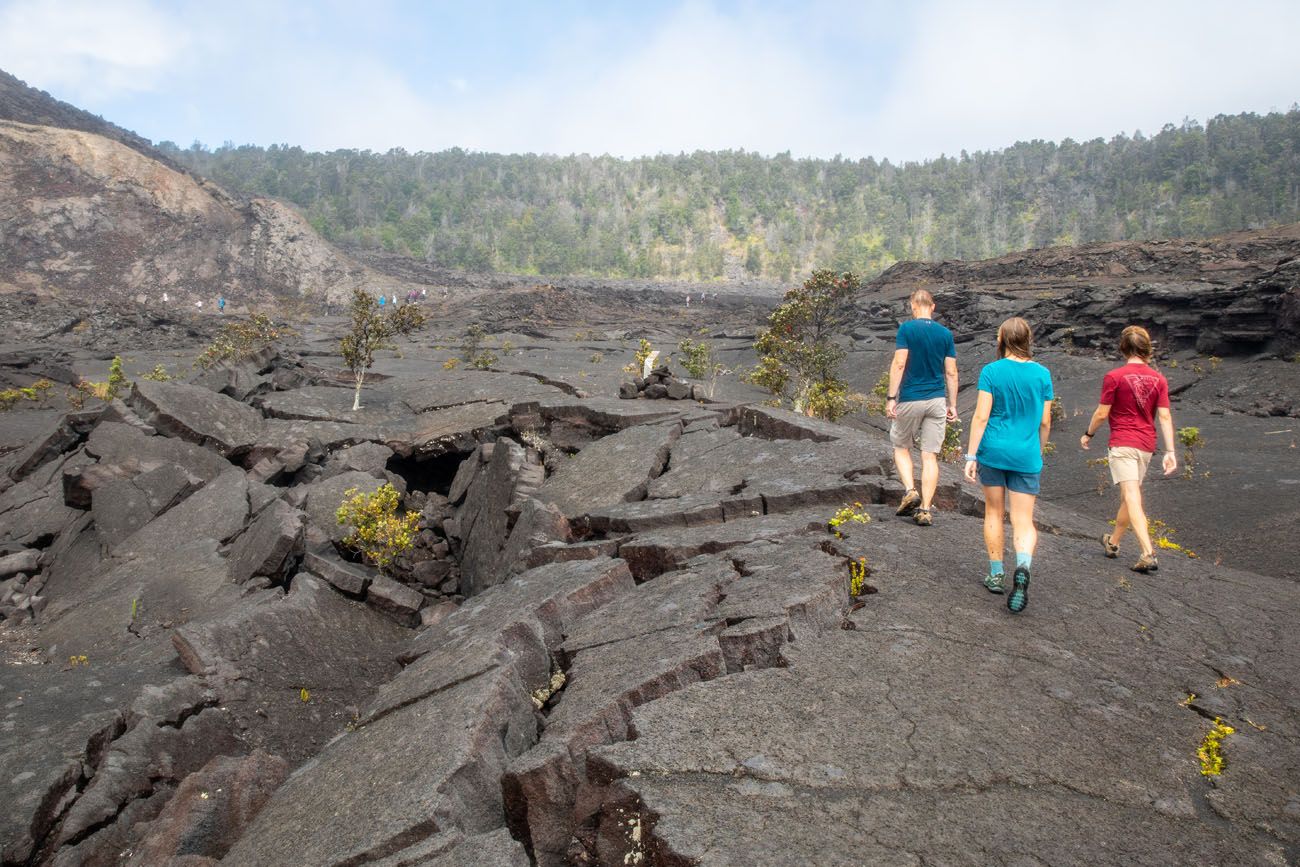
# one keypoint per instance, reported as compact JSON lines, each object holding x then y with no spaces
{"x":1013,"y":418}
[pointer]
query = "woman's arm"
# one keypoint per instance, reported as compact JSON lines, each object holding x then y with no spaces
{"x":1099,"y":415}
{"x":1045,"y":426}
{"x":978,"y":423}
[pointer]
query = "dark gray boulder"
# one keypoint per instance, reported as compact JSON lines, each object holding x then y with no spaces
{"x":197,"y":415}
{"x":270,"y":546}
{"x":613,"y":469}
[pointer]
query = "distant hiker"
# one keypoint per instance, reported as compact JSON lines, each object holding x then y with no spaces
{"x":383,"y":299}
{"x":688,"y":302}
{"x":424,"y":293}
{"x":1013,"y":417}
{"x":923,"y":372}
{"x":165,"y":298}
{"x":221,"y":305}
{"x":1133,"y":398}
{"x":394,"y":299}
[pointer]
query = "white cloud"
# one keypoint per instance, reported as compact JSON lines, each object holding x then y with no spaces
{"x":981,"y":76}
{"x":90,"y":49}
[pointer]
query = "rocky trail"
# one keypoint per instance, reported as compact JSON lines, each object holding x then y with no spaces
{"x":625,"y":634}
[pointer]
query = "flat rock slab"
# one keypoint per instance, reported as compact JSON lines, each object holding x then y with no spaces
{"x":269,"y":648}
{"x":614,"y":469}
{"x":439,"y":431}
{"x":325,"y":497}
{"x":18,"y":428}
{"x":939,"y":712}
{"x":454,"y":849}
{"x":279,"y":434}
{"x":197,"y":415}
{"x":427,"y":389}
{"x":428,"y":767}
{"x":269,"y":546}
{"x":651,"y":554}
{"x":331,"y":403}
{"x":518,"y":624}
{"x":121,"y":444}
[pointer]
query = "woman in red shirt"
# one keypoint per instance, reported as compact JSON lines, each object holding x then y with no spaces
{"x":1133,"y":398}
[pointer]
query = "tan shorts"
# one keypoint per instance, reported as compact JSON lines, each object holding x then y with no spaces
{"x":1128,"y":464}
{"x":928,"y":417}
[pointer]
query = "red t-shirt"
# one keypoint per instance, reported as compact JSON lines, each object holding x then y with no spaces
{"x":1134,"y":393}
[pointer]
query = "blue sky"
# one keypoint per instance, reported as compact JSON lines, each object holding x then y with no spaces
{"x":819,"y":78}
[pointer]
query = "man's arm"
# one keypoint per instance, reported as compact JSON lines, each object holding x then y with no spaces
{"x":1099,"y":415}
{"x":950,"y":384}
{"x":1165,"y":419}
{"x":896,"y":368}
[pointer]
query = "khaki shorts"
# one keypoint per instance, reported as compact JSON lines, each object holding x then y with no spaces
{"x":928,"y":417}
{"x":1128,"y":464}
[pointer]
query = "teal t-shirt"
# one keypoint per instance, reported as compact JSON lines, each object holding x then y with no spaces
{"x":1019,"y":389}
{"x":927,"y":343}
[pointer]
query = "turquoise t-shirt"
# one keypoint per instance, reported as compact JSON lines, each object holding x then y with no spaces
{"x":927,"y":343}
{"x":1019,"y":389}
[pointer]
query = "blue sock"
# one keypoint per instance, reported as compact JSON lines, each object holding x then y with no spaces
{"x":1023,"y":559}
{"x":995,"y":567}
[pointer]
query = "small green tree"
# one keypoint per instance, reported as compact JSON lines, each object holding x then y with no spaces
{"x":239,"y":340}
{"x":372,"y":330}
{"x":1191,"y":440}
{"x":798,"y":359}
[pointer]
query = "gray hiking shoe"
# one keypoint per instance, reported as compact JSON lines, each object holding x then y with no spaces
{"x":995,"y":583}
{"x":1112,"y":550}
{"x":1146,"y":563}
{"x":911,"y":500}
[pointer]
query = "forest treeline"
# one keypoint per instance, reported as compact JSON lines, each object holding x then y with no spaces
{"x":729,"y":214}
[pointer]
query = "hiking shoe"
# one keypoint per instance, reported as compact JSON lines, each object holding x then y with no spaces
{"x":911,"y":500}
{"x":922,"y":518}
{"x":995,"y":583}
{"x":1146,"y":563}
{"x":1019,"y":596}
{"x":1112,"y":550}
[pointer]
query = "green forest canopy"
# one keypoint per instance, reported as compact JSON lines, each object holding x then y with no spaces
{"x":710,"y":215}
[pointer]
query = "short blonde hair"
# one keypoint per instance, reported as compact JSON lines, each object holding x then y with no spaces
{"x":921,"y":298}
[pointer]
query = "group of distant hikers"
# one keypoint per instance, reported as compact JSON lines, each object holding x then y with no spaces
{"x":1009,"y":433}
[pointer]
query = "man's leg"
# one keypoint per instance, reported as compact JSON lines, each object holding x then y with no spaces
{"x":1132,"y":494}
{"x":903,"y":461}
{"x":1121,"y":522}
{"x":929,"y":478}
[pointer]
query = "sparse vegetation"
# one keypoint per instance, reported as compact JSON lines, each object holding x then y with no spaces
{"x":1191,"y":440}
{"x":372,"y":330}
{"x":239,"y":340}
{"x":858,"y":572}
{"x":1058,"y":410}
{"x":879,"y":394}
{"x":158,"y":374}
{"x":798,"y":357}
{"x":451,"y":364}
{"x":850,"y":514}
{"x":379,"y":534}
{"x":643,"y":352}
{"x":484,"y":360}
{"x":1210,"y":752}
{"x":472,"y":343}
{"x":951,"y":450}
{"x":1102,"y":467}
{"x":596,"y":358}
{"x":38,"y":392}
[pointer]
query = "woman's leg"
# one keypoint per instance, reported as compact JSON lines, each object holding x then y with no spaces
{"x":1023,"y":534}
{"x":1132,"y":494}
{"x":994,"y":509}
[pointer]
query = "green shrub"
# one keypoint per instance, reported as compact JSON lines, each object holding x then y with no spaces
{"x":379,"y":534}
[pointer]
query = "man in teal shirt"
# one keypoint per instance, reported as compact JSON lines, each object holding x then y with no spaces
{"x":922,"y":399}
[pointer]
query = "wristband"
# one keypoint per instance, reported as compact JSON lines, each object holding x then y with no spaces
{"x":892,"y":397}
{"x":1088,"y":435}
{"x":971,"y":458}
